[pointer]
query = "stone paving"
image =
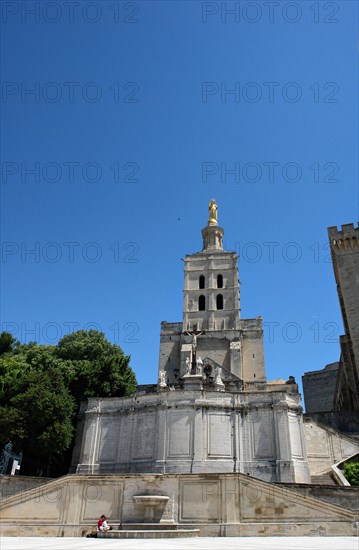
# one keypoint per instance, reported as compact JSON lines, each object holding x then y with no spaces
{"x":203,"y":543}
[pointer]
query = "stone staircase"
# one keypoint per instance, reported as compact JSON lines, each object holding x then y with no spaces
{"x":148,"y":531}
{"x":323,"y":479}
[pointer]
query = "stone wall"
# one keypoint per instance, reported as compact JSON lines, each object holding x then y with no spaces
{"x":196,"y":432}
{"x":344,"y":245}
{"x":345,"y":422}
{"x":216,"y":504}
{"x":347,"y":497}
{"x":238,"y":351}
{"x":319,"y":388}
{"x":326,"y":446}
{"x":11,"y":485}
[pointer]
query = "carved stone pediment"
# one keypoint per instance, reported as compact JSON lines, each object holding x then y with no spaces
{"x":226,"y":375}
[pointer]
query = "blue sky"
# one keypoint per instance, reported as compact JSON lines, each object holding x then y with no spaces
{"x":132,"y":116}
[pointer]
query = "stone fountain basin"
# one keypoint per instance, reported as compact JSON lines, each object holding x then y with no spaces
{"x":150,"y":500}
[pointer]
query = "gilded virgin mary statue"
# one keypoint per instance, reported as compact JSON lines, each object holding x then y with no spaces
{"x":213,"y":213}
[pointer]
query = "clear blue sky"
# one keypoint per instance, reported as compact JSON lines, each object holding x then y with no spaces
{"x":130,"y":129}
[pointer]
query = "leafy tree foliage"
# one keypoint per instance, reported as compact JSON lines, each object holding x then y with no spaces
{"x":100,"y":368}
{"x":7,"y":342}
{"x":36,"y":407}
{"x":41,"y":388}
{"x":351,"y":472}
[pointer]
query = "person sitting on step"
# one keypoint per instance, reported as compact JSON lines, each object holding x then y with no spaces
{"x":102,"y":524}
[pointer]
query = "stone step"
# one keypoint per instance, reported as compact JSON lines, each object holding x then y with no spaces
{"x":148,"y":534}
{"x":148,"y":526}
{"x":324,"y":479}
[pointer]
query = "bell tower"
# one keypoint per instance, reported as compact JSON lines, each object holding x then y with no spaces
{"x":211,"y":287}
{"x":212,"y":343}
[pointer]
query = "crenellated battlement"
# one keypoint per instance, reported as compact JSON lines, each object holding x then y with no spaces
{"x":345,"y":239}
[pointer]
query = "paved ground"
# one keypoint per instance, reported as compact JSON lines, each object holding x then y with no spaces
{"x":203,"y":543}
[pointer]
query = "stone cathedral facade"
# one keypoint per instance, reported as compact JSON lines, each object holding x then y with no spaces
{"x":197,"y":453}
{"x":213,"y":409}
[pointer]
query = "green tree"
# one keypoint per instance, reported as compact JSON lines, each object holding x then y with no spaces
{"x":351,"y":472}
{"x":41,"y":388}
{"x":36,"y":407}
{"x":101,"y":369}
{"x":7,"y":343}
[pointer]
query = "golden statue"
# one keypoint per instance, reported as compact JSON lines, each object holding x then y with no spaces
{"x":213,"y":213}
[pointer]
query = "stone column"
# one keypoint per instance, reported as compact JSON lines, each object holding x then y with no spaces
{"x":235,"y":358}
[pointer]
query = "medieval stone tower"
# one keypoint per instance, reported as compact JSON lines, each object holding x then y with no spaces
{"x":344,"y":246}
{"x":211,"y":316}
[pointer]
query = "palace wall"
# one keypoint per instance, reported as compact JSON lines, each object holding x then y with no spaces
{"x":344,"y":246}
{"x":319,"y":388}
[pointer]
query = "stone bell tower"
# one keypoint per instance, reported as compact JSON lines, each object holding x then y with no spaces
{"x":212,"y":338}
{"x":211,"y":286}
